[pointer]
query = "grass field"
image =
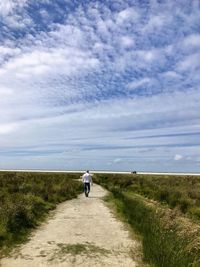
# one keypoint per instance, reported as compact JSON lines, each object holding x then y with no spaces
{"x":164,"y":210}
{"x":25,"y":199}
{"x":180,"y":192}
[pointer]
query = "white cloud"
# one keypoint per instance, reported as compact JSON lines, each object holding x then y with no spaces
{"x":5,"y":92}
{"x":156,"y":22}
{"x":8,"y":51}
{"x":139,"y":83}
{"x":127,"y":41}
{"x":148,"y":56}
{"x":178,"y":157}
{"x":171,"y":74}
{"x":189,"y":63}
{"x":139,"y":59}
{"x":8,"y":128}
{"x":192,"y":40}
{"x":67,"y":60}
{"x":17,"y":22}
{"x":8,"y":6}
{"x":127,"y":15}
{"x":117,"y":160}
{"x":13,"y":14}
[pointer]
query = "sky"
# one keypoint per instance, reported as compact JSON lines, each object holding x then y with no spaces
{"x":100,"y":85}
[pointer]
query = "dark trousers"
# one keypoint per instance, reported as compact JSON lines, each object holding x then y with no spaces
{"x":86,"y":187}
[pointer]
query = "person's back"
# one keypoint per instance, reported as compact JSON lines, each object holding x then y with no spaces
{"x":87,"y":179}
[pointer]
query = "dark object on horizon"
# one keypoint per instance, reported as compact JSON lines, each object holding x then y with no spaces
{"x":134,"y":172}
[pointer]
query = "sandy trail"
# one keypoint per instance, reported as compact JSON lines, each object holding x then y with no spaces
{"x":80,"y":232}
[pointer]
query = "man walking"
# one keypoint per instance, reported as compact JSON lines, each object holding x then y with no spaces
{"x":87,"y":179}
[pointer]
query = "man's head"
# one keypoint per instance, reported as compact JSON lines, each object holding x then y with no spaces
{"x":87,"y":171}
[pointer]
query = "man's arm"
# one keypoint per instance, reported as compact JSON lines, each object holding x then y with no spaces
{"x":82,"y":179}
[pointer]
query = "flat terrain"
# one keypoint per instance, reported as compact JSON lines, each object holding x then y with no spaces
{"x":80,"y":232}
{"x":107,"y":172}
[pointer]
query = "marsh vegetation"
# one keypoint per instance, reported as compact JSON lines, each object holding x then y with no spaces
{"x":25,"y":199}
{"x":164,"y":211}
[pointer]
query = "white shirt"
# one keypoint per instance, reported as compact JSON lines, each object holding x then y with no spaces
{"x":87,"y":178}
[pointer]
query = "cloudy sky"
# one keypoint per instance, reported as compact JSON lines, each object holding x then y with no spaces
{"x":105,"y":85}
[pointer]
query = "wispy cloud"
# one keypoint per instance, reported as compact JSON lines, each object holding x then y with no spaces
{"x":139,"y":83}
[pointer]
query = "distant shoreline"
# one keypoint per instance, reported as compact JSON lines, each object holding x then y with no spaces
{"x":93,"y":171}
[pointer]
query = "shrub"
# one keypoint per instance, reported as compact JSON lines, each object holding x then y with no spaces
{"x":163,"y":195}
{"x":25,"y":198}
{"x":195,"y":212}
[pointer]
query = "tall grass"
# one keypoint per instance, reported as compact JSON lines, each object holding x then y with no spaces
{"x":182,"y":192}
{"x":25,"y":198}
{"x":169,"y":238}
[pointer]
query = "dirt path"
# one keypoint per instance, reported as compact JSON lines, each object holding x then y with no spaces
{"x":81,"y":232}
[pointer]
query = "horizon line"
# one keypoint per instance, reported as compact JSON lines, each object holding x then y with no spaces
{"x":100,"y":171}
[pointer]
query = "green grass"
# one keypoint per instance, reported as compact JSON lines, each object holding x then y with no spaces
{"x":169,"y":237}
{"x":117,"y":206}
{"x":25,"y":199}
{"x":181,"y":192}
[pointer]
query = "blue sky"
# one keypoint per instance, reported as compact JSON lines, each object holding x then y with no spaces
{"x":105,"y":85}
